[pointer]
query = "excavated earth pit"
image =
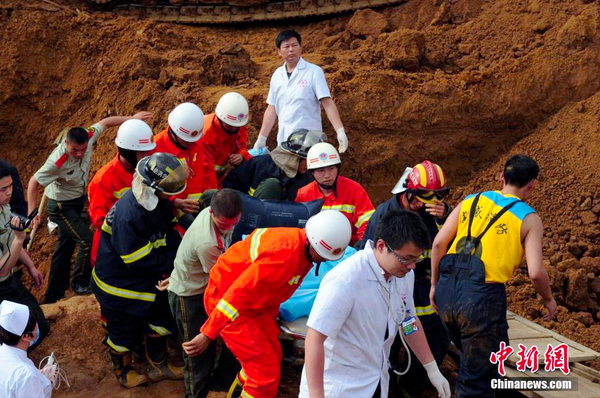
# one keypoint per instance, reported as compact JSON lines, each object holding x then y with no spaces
{"x":465,"y":83}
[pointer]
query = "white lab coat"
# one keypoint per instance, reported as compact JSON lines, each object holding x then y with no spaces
{"x":19,"y":378}
{"x":352,"y":311}
{"x":296,"y":99}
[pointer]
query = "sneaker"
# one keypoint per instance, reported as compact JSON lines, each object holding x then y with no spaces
{"x":79,"y":289}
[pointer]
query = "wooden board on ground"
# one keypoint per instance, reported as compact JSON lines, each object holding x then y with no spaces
{"x":523,"y":331}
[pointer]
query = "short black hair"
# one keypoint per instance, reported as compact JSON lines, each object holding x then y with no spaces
{"x":519,"y":170}
{"x":12,"y":339}
{"x":78,"y":135}
{"x":5,"y":171}
{"x":226,"y":203}
{"x":399,"y":227}
{"x":286,"y":35}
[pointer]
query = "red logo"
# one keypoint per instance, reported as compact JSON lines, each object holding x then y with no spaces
{"x":337,"y":251}
{"x":194,"y":133}
{"x":325,"y":245}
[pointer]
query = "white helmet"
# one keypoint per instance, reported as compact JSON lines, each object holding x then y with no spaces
{"x":136,"y":135}
{"x":187,"y":121}
{"x":329,"y":233}
{"x":321,"y":155}
{"x":233,"y":110}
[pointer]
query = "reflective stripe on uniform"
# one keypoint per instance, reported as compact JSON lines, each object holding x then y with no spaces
{"x":342,"y":208}
{"x":119,"y":194}
{"x":219,"y":169}
{"x":106,"y":228}
{"x":426,"y":253}
{"x":243,"y":377}
{"x":160,"y":330}
{"x":144,"y":251}
{"x":125,"y":293}
{"x":117,"y":348}
{"x":228,"y":310}
{"x":255,"y":243}
{"x":245,"y":395}
{"x":195,"y":196}
{"x":365,"y":217}
{"x":427,"y":310}
{"x":251,"y":191}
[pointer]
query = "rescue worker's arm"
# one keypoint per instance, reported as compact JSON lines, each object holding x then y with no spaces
{"x":8,"y":261}
{"x":533,"y":230}
{"x":100,"y":201}
{"x":241,"y":154}
{"x":418,"y":344}
{"x":334,"y":118}
{"x":363,"y":211}
{"x":113,"y":121}
{"x":269,"y":119}
{"x":440,"y":247}
{"x":315,"y":363}
{"x":32,"y":200}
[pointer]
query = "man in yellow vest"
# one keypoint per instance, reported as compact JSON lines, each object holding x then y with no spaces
{"x":489,"y":232}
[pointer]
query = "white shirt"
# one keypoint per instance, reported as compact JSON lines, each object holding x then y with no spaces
{"x":352,"y":310}
{"x":19,"y":377}
{"x":296,"y":99}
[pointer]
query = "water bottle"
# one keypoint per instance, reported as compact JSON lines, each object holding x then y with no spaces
{"x":261,"y":151}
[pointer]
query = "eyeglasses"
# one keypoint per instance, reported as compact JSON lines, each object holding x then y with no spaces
{"x":405,"y":261}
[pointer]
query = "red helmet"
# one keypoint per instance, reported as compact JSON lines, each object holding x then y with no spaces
{"x":426,"y":182}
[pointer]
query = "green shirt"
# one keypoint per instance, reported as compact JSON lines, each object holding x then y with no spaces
{"x":196,"y":255}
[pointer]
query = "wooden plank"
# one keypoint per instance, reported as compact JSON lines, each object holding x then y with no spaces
{"x":585,"y":388}
{"x":523,"y":331}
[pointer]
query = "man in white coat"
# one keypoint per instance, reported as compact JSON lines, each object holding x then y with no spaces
{"x":296,"y":93}
{"x":361,"y":305}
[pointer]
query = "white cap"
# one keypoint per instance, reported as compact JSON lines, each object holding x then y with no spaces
{"x":14,"y":317}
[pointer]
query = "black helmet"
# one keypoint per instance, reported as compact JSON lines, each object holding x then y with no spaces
{"x":300,"y":141}
{"x":163,"y":172}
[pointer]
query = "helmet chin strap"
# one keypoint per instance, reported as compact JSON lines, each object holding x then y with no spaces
{"x":175,"y":139}
{"x":228,"y":132}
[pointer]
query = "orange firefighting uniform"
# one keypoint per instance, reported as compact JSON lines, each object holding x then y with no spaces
{"x":219,"y":145}
{"x":245,"y":289}
{"x":108,"y":185}
{"x":201,"y":177}
{"x":348,"y":197}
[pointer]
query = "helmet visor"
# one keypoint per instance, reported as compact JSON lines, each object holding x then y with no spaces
{"x":432,"y":197}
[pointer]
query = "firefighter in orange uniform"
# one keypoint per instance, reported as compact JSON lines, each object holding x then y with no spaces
{"x":225,"y":137}
{"x":182,"y":139}
{"x":247,"y":286}
{"x":134,"y":142}
{"x":338,"y":192}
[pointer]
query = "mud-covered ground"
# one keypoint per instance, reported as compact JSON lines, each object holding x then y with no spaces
{"x":465,"y":83}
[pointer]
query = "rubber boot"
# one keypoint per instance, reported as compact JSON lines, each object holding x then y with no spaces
{"x":236,"y":389}
{"x":126,"y":375}
{"x":159,"y":367}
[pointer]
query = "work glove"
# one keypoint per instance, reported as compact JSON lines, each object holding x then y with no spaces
{"x":261,"y":141}
{"x":439,"y":382}
{"x":342,"y":140}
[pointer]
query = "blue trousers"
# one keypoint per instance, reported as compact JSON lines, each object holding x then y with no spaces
{"x":474,"y":313}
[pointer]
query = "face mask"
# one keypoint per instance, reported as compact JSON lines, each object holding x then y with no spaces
{"x":37,"y":337}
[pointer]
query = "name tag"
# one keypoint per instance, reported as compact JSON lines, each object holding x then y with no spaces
{"x":409,"y":326}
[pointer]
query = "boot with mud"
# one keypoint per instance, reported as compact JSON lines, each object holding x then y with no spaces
{"x":126,"y":375}
{"x":159,"y":367}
